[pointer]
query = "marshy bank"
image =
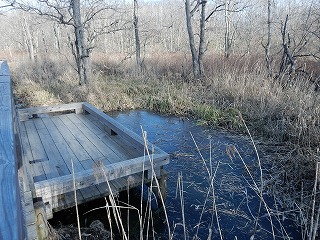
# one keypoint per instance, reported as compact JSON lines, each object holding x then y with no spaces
{"x":285,"y":118}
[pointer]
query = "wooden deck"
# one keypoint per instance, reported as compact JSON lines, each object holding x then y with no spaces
{"x":106,"y":156}
{"x":47,"y":153}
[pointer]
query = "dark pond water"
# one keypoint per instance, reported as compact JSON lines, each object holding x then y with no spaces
{"x":229,"y":209}
{"x":236,"y":201}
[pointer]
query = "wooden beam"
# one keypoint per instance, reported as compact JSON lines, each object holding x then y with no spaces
{"x":11,"y":225}
{"x":27,"y":113}
{"x":119,"y":128}
{"x":64,"y":184}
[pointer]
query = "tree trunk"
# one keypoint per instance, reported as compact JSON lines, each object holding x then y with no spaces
{"x":57,"y":36}
{"x":288,"y":59}
{"x":227,"y":40}
{"x":136,"y":34}
{"x":29,"y":40}
{"x":81,"y":54}
{"x":202,"y":47}
{"x":268,"y":46}
{"x":195,"y":62}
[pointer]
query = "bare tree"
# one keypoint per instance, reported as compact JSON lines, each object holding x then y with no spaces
{"x":202,"y":47}
{"x":69,"y":13}
{"x":197,"y":56}
{"x":28,"y":38}
{"x":136,"y":35}
{"x":287,"y":60}
{"x":230,"y":7}
{"x":5,"y":5}
{"x":195,"y":64}
{"x":227,"y":37}
{"x":65,"y":12}
{"x":82,"y":50}
{"x":298,"y":40}
{"x":268,"y":45}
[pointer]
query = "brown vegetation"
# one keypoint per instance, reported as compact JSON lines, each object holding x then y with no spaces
{"x":286,"y":116}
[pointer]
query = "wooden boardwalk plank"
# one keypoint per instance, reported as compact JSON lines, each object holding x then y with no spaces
{"x":117,"y":185}
{"x":54,"y":156}
{"x":29,"y":215}
{"x":76,"y":147}
{"x":124,"y":151}
{"x":112,"y":124}
{"x":38,"y":152}
{"x":124,"y":142}
{"x":88,"y":178}
{"x":101,"y":145}
{"x":27,"y":113}
{"x":32,"y":169}
{"x":67,"y":154}
{"x":91,"y":190}
{"x":86,"y":144}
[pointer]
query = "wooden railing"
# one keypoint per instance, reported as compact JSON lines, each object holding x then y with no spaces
{"x":12,"y":222}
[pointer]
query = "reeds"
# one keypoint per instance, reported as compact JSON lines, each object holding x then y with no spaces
{"x":75,"y":200}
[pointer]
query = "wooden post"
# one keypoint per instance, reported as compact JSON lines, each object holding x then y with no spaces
{"x":12,"y":222}
{"x":163,"y":185}
{"x":41,"y":220}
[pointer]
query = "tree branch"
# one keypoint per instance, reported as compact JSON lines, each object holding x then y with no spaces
{"x":216,"y":9}
{"x":195,"y":8}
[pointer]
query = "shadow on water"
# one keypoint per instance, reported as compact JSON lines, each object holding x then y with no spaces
{"x":234,"y":195}
{"x":236,"y":199}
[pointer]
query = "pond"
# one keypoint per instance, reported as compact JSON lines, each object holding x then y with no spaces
{"x":218,"y":195}
{"x":231,"y":206}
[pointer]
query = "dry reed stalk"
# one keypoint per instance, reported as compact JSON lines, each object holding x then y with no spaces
{"x":211,"y":177}
{"x":216,"y":213}
{"x":210,"y":189}
{"x":108,"y":207}
{"x":128,"y":211}
{"x":204,"y":162}
{"x":148,"y":213}
{"x":256,"y":189}
{"x":75,"y":199}
{"x":261,"y":179}
{"x":180,"y":190}
{"x":144,"y":136}
{"x":141,"y":197}
{"x":109,"y":216}
{"x":100,"y":169}
{"x":314,"y":226}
